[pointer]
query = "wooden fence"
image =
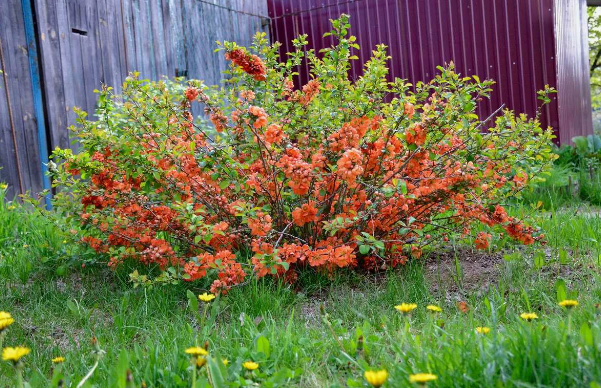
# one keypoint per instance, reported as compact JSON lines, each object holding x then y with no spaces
{"x":56,"y":52}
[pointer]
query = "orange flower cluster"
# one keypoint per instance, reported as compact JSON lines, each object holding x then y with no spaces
{"x":192,"y":93}
{"x":296,"y":170}
{"x":260,"y":116}
{"x":304,"y":214}
{"x":250,"y":63}
{"x":309,"y":91}
{"x":219,"y":120}
{"x":416,"y":135}
{"x":482,"y":240}
{"x":230,"y":271}
{"x":274,"y":134}
{"x":350,"y":166}
{"x":247,"y":95}
{"x":350,"y":134}
{"x":261,"y":225}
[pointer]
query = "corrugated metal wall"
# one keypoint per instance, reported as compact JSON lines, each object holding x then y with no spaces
{"x":509,"y":41}
{"x":573,"y":77}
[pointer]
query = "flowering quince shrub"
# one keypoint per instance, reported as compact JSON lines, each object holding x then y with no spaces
{"x":336,"y":173}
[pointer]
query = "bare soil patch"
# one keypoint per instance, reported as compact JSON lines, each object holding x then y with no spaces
{"x":452,"y":274}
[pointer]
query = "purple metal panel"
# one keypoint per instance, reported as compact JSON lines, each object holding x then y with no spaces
{"x":573,"y":83}
{"x":509,"y":41}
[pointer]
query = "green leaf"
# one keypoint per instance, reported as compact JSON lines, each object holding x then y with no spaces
{"x":511,"y":257}
{"x":262,"y":344}
{"x":121,"y":369}
{"x":364,"y":249}
{"x":193,"y":300}
{"x":61,"y":270}
{"x":539,"y":260}
{"x":563,"y":257}
{"x":214,"y":370}
{"x":586,"y":334}
{"x":72,"y":306}
{"x":403,"y":186}
{"x":561,"y":290}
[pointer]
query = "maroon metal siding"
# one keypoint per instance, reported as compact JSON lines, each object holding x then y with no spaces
{"x":573,"y":82}
{"x":509,"y":41}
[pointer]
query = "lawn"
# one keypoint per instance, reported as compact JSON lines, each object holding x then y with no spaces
{"x":324,"y":332}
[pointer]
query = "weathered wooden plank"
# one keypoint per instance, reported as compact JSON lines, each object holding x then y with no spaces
{"x":118,"y":40}
{"x":158,"y":38}
{"x":67,"y":57}
{"x":75,"y":88}
{"x":128,"y":34}
{"x":91,"y":56}
{"x":20,"y":88}
{"x":140,"y":61}
{"x":147,"y":40}
{"x":143,"y":41}
{"x":105,"y":46}
{"x":172,"y":25}
{"x":47,"y":13}
{"x":9,"y":172}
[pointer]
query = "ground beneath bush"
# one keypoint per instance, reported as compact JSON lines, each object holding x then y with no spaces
{"x":456,"y":273}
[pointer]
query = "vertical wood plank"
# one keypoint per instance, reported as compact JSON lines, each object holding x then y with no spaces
{"x":20,"y":88}
{"x":47,"y":13}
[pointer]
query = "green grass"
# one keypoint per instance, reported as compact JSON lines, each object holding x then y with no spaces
{"x":59,"y":307}
{"x":555,"y":192}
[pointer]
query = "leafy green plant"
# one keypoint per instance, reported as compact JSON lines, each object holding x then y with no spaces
{"x":277,"y":180}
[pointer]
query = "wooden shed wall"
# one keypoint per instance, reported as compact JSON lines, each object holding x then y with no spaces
{"x":85,"y":43}
{"x":17,"y":117}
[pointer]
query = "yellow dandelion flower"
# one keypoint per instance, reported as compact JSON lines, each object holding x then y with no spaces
{"x":434,"y":308}
{"x":528,"y":316}
{"x":406,"y":308}
{"x":568,"y":303}
{"x":196,"y":351}
{"x":225,"y":361}
{"x":250,"y":365}
{"x":206,"y":297}
{"x":422,"y":378}
{"x":58,"y":360}
{"x":376,"y":378}
{"x":3,"y":186}
{"x":5,"y":320}
{"x":200,"y":362}
{"x":482,"y":330}
{"x":14,"y":354}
